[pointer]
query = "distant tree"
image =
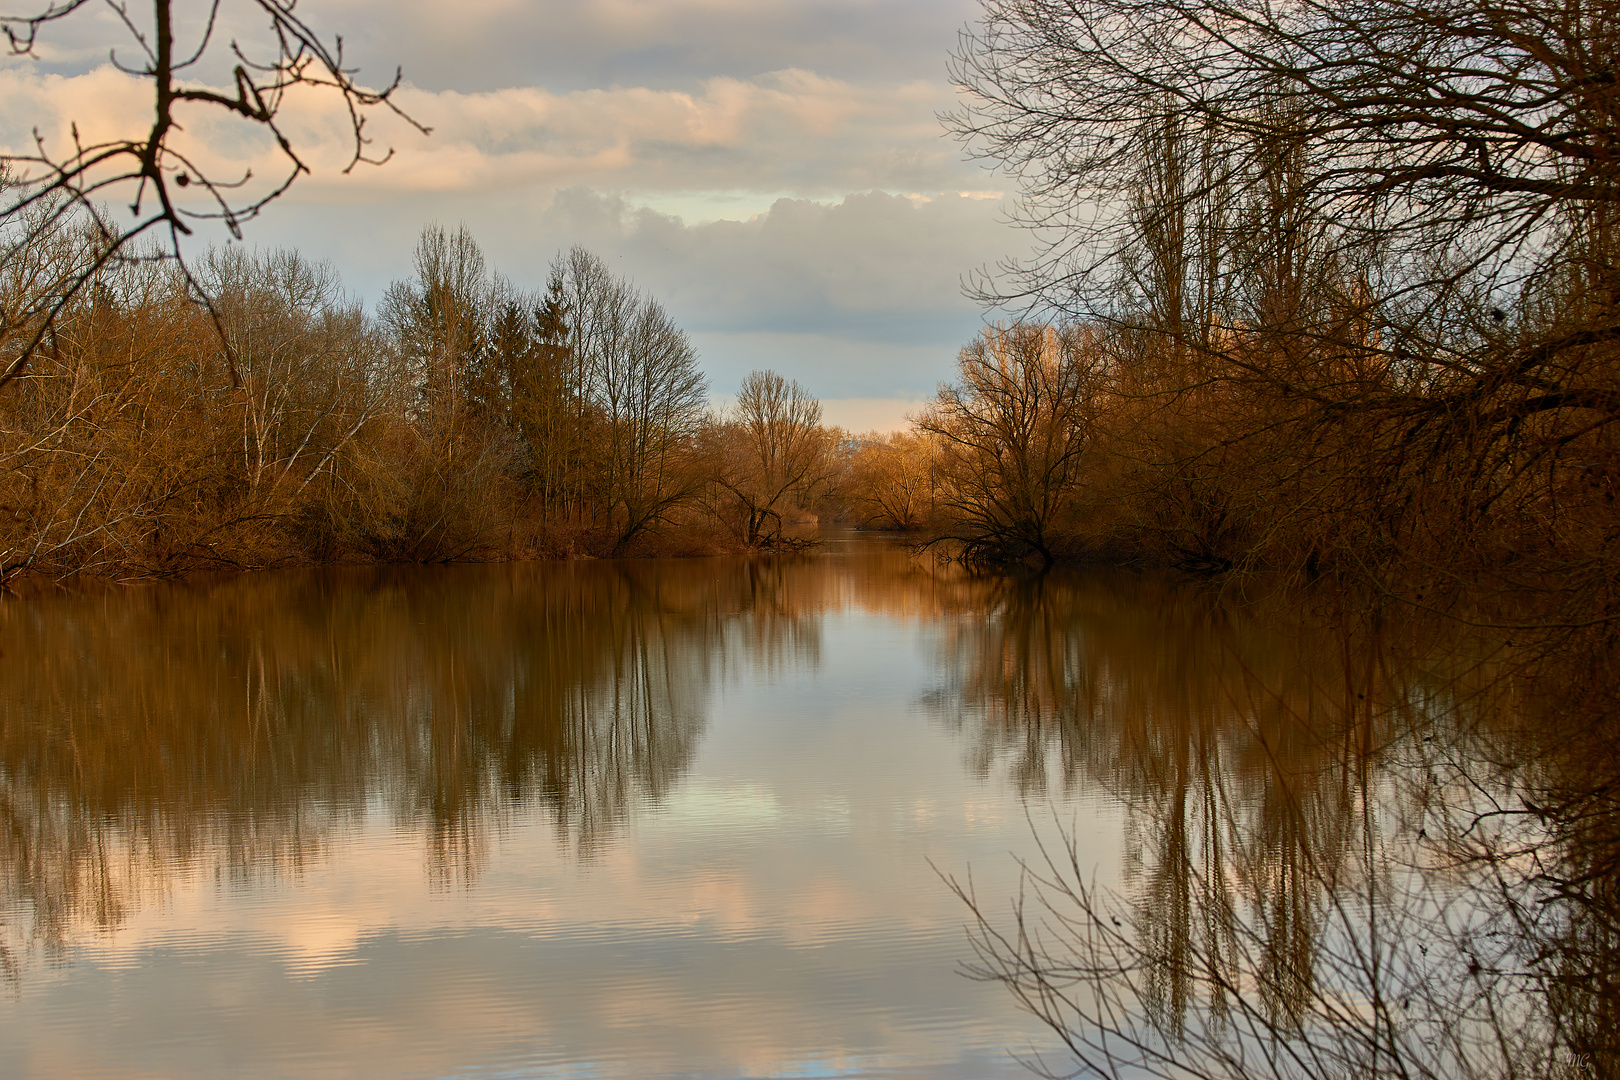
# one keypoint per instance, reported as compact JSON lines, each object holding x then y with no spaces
{"x":1012,"y":432}
{"x":645,"y":390}
{"x":767,"y":454}
{"x":128,"y":450}
{"x":890,"y":481}
{"x":531,"y":382}
{"x":440,"y":321}
{"x":456,"y":452}
{"x":302,"y":355}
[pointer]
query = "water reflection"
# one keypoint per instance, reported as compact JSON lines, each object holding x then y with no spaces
{"x":233,"y":727}
{"x":589,"y":819}
{"x":1264,"y":764}
{"x":1249,"y":745}
{"x":1360,"y":843}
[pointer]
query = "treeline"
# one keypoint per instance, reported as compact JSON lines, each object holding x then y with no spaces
{"x":1249,"y":403}
{"x":244,"y":412}
{"x":1086,"y":441}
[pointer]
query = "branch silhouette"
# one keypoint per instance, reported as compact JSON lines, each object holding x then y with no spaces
{"x":44,"y":190}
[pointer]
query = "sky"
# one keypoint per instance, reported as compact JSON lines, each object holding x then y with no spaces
{"x":775,"y":172}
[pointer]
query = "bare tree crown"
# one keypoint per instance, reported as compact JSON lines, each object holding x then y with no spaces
{"x":168,"y":189}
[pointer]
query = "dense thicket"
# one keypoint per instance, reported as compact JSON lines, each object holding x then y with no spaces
{"x":1321,"y":288}
{"x":154,"y":434}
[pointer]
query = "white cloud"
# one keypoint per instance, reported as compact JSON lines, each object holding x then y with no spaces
{"x":789,"y":130}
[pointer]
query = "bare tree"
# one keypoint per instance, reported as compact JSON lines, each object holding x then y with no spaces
{"x":169,"y":189}
{"x":645,"y":390}
{"x":770,"y":451}
{"x":458,"y":443}
{"x":1012,"y":431}
{"x":128,"y":451}
{"x":439,"y":322}
{"x":1390,"y":225}
{"x":1458,"y":131}
{"x":1455,"y":158}
{"x":890,"y":482}
{"x":302,"y":357}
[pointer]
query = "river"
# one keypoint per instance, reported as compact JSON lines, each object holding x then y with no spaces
{"x":692,"y":818}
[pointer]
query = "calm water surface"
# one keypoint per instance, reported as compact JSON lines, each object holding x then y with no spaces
{"x":591,"y":819}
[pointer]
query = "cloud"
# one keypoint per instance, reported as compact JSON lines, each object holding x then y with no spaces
{"x":104,"y":103}
{"x":481,"y":45}
{"x":790,"y":130}
{"x":868,"y":264}
{"x":784,"y":131}
{"x":774,"y":172}
{"x":860,"y":298}
{"x":564,"y":45}
{"x":856,"y":298}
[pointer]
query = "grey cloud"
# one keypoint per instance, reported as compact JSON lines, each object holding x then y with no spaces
{"x":481,"y":45}
{"x":872,"y":263}
{"x":859,"y":298}
{"x":565,"y":46}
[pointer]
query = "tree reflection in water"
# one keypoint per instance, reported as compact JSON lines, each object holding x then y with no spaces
{"x":1318,"y":882}
{"x":234,"y":728}
{"x":1312,"y":871}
